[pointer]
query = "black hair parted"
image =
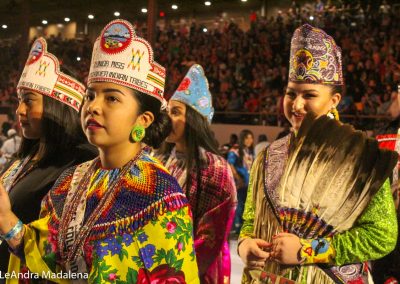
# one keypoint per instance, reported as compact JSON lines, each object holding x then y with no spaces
{"x":161,"y":126}
{"x":61,"y":133}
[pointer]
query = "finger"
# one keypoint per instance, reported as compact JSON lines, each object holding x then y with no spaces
{"x":259,"y":253}
{"x":282,"y":235}
{"x":2,"y":189}
{"x":277,"y":251}
{"x":275,"y":246}
{"x":256,"y":264}
{"x":262,"y":243}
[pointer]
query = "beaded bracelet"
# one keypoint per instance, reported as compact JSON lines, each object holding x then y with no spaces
{"x":316,"y":251}
{"x":13,"y":232}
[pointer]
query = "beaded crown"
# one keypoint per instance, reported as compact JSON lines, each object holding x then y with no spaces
{"x":42,"y":74}
{"x":314,"y":57}
{"x":194,"y":92}
{"x":121,"y":57}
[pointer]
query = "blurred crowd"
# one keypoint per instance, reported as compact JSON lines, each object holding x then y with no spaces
{"x":247,"y":69}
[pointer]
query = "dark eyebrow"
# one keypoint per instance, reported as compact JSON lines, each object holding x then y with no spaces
{"x":28,"y":93}
{"x":303,"y":91}
{"x":176,"y":107}
{"x":108,"y":90}
{"x":111,"y":90}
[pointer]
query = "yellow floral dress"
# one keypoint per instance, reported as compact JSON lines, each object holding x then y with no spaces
{"x":144,"y":235}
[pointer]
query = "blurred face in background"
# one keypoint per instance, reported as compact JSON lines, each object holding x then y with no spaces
{"x":30,"y":113}
{"x":177,"y":113}
{"x":248,"y":141}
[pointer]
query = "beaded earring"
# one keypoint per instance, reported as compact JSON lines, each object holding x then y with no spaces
{"x":137,"y":133}
{"x":333,"y":113}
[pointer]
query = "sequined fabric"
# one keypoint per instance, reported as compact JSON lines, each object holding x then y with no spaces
{"x":374,"y":234}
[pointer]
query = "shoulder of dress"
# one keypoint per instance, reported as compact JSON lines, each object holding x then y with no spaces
{"x":214,"y":161}
{"x":151,"y":163}
{"x":149,"y":174}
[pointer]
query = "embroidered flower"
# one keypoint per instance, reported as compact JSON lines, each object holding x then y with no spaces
{"x":127,"y":239}
{"x":112,"y":276}
{"x":179,"y":246}
{"x":101,"y":251}
{"x":184,"y":85}
{"x":143,"y":237}
{"x":52,"y":239}
{"x":114,"y":247}
{"x":171,"y":226}
{"x":161,"y":274}
{"x":147,"y":254}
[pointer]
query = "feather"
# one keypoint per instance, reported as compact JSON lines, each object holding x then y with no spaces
{"x":331,"y":174}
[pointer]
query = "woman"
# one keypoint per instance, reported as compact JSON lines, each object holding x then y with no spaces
{"x":191,"y":155}
{"x":120,"y":217}
{"x":240,"y":158}
{"x":315,"y":81}
{"x":52,"y":136}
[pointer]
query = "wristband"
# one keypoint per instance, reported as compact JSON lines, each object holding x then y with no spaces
{"x":13,"y":232}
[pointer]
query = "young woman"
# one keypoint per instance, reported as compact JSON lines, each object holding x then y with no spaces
{"x":52,"y":140}
{"x":240,"y":158}
{"x":191,"y":155}
{"x":315,"y":80}
{"x":120,"y":217}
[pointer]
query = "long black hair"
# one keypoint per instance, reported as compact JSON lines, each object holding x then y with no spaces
{"x":243,"y":134}
{"x":61,"y":133}
{"x":197,"y":134}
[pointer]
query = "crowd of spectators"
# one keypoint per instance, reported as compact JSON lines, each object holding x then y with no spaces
{"x":247,"y":69}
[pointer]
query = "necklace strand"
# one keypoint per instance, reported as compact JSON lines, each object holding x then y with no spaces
{"x":71,"y":208}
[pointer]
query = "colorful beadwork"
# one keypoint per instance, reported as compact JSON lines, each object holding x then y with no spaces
{"x":144,"y":232}
{"x":316,"y":250}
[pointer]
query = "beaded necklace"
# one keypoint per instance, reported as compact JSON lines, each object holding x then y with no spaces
{"x":16,"y":172}
{"x":69,"y":254}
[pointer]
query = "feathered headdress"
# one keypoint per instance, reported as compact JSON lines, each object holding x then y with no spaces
{"x":331,"y":174}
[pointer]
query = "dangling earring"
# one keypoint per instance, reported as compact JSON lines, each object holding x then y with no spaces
{"x":137,"y":133}
{"x":333,"y":113}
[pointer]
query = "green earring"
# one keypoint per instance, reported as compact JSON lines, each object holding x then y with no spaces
{"x":137,"y":133}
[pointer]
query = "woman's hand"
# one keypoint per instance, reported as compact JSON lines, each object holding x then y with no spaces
{"x":254,"y":252}
{"x":286,"y":249}
{"x":5,"y":205}
{"x":8,"y":220}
